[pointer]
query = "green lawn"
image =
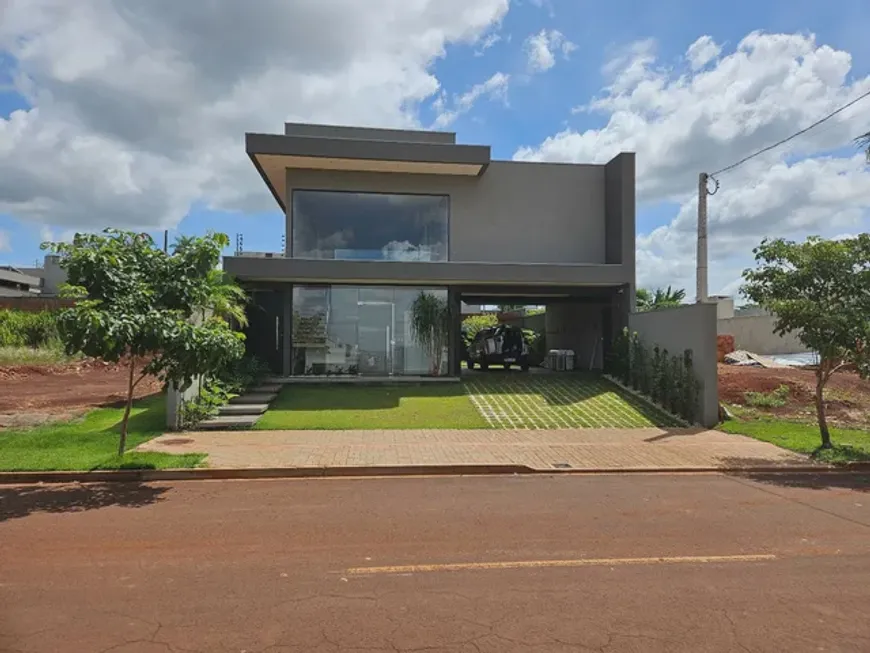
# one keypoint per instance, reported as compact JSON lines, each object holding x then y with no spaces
{"x":491,"y":400}
{"x":92,"y":442}
{"x":849,"y":444}
{"x":424,"y":406}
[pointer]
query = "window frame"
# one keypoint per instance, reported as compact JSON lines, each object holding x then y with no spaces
{"x":292,"y":235}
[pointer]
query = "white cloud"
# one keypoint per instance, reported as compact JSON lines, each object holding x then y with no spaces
{"x":139,"y":109}
{"x":486,"y":43}
{"x":541,"y":49}
{"x":702,"y":52}
{"x":545,"y":4}
{"x":495,"y":88}
{"x":683,"y":123}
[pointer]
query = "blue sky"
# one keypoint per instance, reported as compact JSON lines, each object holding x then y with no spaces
{"x":129,"y":117}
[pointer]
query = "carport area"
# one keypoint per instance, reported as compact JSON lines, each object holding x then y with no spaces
{"x":583,"y":319}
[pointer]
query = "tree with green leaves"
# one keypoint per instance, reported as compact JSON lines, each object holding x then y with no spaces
{"x":652,"y":300}
{"x":165,"y":314}
{"x":819,"y":289}
{"x":430,"y":326}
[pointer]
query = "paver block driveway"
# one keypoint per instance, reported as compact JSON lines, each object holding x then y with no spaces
{"x":558,"y":401}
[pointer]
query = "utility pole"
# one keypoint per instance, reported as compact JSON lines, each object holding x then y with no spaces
{"x":701,"y":270}
{"x":165,"y":241}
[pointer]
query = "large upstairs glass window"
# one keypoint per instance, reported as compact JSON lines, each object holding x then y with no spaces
{"x":369,"y":226}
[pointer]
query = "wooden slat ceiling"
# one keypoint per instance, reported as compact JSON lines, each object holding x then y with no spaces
{"x":275,"y":165}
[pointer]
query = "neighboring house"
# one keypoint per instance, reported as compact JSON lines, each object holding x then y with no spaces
{"x":51,"y":275}
{"x":42,"y":281}
{"x":375,"y":216}
{"x":15,"y":282}
{"x":753,"y":329}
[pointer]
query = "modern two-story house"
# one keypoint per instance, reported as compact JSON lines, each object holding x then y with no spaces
{"x":374,"y":217}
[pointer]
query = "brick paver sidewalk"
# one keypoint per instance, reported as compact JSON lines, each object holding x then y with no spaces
{"x":649,"y":448}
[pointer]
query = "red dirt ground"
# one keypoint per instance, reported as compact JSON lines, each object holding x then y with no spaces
{"x":31,"y":394}
{"x":847,"y":395}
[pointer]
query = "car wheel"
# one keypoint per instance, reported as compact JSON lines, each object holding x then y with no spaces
{"x":507,"y":366}
{"x":470,"y":364}
{"x":484,"y":366}
{"x":525,"y":367}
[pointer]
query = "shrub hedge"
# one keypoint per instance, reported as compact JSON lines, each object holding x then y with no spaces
{"x":667,"y":379}
{"x":27,"y":329}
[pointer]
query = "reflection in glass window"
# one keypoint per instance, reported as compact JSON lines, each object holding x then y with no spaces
{"x":358,"y":330}
{"x":369,"y":226}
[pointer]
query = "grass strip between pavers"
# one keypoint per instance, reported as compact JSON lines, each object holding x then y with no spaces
{"x":563,"y":401}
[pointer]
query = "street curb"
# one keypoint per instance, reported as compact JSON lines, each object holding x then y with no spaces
{"x":145,"y":475}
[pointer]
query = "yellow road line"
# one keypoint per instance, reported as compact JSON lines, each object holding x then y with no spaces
{"x":537,"y":564}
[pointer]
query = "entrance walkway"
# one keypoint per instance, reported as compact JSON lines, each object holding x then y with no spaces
{"x":577,"y":449}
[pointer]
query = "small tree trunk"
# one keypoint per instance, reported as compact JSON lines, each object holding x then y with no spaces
{"x":123,"y":443}
{"x":820,"y":407}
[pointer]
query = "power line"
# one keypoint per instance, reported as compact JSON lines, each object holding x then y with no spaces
{"x":795,"y":135}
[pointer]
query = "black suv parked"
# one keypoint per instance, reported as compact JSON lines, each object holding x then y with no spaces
{"x":500,"y":345}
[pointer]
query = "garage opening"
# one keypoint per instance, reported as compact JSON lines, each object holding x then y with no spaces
{"x":539,"y":331}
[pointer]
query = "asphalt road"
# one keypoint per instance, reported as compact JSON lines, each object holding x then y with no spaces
{"x":640,"y":563}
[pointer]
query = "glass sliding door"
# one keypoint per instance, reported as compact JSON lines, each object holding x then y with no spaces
{"x":376,"y":329}
{"x":359,"y":330}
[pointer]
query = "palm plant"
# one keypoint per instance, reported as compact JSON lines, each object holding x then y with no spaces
{"x":430,"y":326}
{"x":643,"y":299}
{"x":864,"y":142}
{"x":225,"y":298}
{"x":653,"y":300}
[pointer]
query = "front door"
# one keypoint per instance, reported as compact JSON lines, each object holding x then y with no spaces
{"x":377,"y":321}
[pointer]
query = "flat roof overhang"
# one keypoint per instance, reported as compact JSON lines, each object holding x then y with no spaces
{"x":273,"y":154}
{"x":477,"y":278}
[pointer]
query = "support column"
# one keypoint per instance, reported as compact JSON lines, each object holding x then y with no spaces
{"x":454,"y":341}
{"x":287,"y":335}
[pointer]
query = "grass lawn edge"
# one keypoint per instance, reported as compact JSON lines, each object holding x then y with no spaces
{"x":850,"y":445}
{"x":90,"y":443}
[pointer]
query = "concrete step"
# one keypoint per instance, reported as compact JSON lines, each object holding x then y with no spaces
{"x":267,"y":388}
{"x":254,"y":398}
{"x":243,"y":409}
{"x":227,"y":422}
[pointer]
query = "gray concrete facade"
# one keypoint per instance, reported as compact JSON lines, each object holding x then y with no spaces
{"x":546,"y":233}
{"x":512,"y":213}
{"x":690,"y":327}
{"x":580,"y":328}
{"x":369,"y":133}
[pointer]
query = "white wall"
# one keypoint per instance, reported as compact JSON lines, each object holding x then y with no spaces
{"x":175,"y":400}
{"x":755,"y":333}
